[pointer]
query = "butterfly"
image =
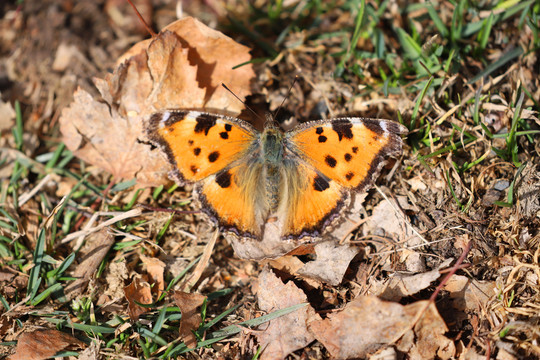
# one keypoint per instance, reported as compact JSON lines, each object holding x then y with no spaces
{"x":294,"y":184}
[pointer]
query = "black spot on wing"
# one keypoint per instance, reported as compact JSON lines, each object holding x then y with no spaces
{"x":319,"y":130}
{"x":320,"y":184}
{"x":204,"y":123}
{"x":197,"y":151}
{"x":213,"y":156}
{"x":224,"y":135}
{"x":322,"y":138}
{"x":374,"y":126}
{"x":228,"y":127}
{"x":194,"y":169}
{"x":348,"y":157}
{"x":349,"y":175}
{"x":223,"y":179}
{"x":190,"y":142}
{"x":355,"y":149}
{"x":343,"y":128}
{"x":330,"y":161}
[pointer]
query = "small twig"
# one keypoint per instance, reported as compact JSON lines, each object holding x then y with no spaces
{"x":452,"y":271}
{"x":27,"y":196}
{"x":148,"y":28}
{"x":94,"y":205}
{"x":86,"y":232}
{"x":151,"y":208}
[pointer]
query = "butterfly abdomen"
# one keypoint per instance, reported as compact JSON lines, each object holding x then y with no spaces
{"x":272,"y":158}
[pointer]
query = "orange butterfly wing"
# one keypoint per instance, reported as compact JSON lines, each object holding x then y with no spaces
{"x":313,"y":202}
{"x":350,"y":151}
{"x":199,"y":144}
{"x":235,"y":198}
{"x":211,"y":151}
{"x":340,"y":156}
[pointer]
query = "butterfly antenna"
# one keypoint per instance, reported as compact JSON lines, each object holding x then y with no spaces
{"x":285,"y":98}
{"x":148,"y":28}
{"x":242,"y":101}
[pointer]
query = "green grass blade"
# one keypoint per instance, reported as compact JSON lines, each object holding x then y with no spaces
{"x":19,"y":127}
{"x":34,"y":280}
{"x":95,"y":329}
{"x":437,"y":21}
{"x":46,"y":293}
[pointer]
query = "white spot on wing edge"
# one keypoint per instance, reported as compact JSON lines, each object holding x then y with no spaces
{"x":384,"y":127}
{"x":166,"y":116}
{"x":193,"y":114}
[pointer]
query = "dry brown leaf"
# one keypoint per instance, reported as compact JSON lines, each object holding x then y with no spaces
{"x":140,"y":292}
{"x":402,"y":285}
{"x":43,"y":344}
{"x":469,"y":294}
{"x":426,"y":340}
{"x":182,"y":67}
{"x":332,"y":261}
{"x":191,"y":316}
{"x":386,"y":222}
{"x":288,"y":264}
{"x":6,"y":276}
{"x":97,"y":246}
{"x":368,"y":324}
{"x":6,"y":324}
{"x":290,"y":332}
{"x":155,"y":269}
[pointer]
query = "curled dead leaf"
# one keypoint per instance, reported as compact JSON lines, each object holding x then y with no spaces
{"x":402,"y":285}
{"x":43,"y":344}
{"x":288,"y":333}
{"x":155,"y":269}
{"x":182,"y":67}
{"x":191,"y":317}
{"x":137,"y":292}
{"x":368,"y":324}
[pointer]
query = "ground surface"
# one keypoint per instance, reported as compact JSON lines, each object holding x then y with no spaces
{"x":463,"y":77}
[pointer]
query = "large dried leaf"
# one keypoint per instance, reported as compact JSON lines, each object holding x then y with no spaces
{"x":368,"y":324}
{"x":288,"y":333}
{"x":182,"y":67}
{"x":43,"y":344}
